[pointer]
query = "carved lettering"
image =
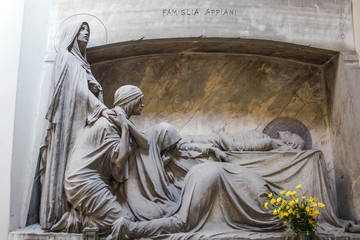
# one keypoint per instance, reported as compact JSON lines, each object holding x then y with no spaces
{"x":342,"y":26}
{"x":181,"y":12}
{"x":196,"y":11}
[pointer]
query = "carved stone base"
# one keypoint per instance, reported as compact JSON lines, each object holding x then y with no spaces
{"x":34,"y":232}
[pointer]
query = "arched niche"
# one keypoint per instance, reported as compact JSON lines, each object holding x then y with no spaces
{"x":198,"y":84}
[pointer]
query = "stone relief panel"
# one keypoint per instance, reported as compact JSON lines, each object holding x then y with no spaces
{"x":199,"y":92}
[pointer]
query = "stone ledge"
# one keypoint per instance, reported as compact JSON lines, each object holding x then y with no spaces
{"x":34,"y":232}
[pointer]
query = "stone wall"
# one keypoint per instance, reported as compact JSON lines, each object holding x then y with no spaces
{"x":33,"y":89}
{"x":344,"y":118}
{"x":10,"y":50}
{"x":356,"y":21}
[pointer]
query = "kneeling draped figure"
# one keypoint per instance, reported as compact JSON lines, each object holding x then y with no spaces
{"x":99,"y":161}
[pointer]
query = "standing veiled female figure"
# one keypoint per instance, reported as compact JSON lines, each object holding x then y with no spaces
{"x":77,"y":101}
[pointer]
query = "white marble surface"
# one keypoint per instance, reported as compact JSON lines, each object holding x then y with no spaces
{"x":321,"y":23}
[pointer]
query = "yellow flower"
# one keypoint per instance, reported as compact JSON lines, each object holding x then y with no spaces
{"x":272,"y":201}
{"x":321,"y":205}
{"x":298,"y":186}
{"x":266,"y":205}
{"x":275,"y":212}
{"x":297,"y":215}
{"x":313,"y":213}
{"x":286,"y":214}
{"x":279,"y":209}
{"x":270,"y":195}
{"x":281,"y":215}
{"x":312,"y":204}
{"x":307,"y":209}
{"x":285,"y":221}
{"x":284,"y":203}
{"x":278,"y":200}
{"x":311,"y":199}
{"x":282,"y":192}
{"x":293,"y":193}
{"x":288,"y":193}
{"x":290,"y":211}
{"x":303,"y":197}
{"x":291,"y":203}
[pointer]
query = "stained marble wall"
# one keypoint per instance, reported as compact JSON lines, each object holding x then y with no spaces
{"x":197,"y":92}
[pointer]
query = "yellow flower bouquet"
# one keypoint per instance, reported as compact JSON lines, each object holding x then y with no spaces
{"x":300,"y":213}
